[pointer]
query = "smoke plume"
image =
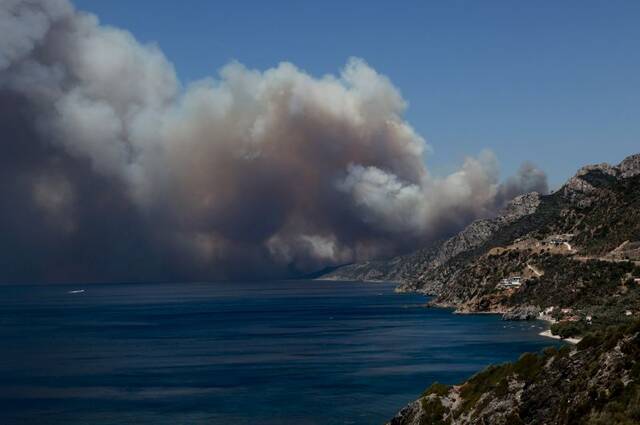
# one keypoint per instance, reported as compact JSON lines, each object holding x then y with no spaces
{"x":111,"y":170}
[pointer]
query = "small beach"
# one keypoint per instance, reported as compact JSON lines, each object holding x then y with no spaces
{"x":548,"y":334}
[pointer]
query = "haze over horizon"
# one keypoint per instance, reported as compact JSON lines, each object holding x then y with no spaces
{"x":115,"y":169}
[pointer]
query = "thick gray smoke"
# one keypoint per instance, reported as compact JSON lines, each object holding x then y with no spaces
{"x":111,"y":170}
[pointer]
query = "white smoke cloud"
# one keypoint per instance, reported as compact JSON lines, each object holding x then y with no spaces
{"x":250,"y":172}
{"x":386,"y":201}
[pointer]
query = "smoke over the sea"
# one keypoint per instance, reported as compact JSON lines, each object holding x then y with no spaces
{"x":111,"y":170}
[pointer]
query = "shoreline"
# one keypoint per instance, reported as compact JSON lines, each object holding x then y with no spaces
{"x":543,"y":318}
{"x":335,"y":279}
{"x":430,"y":304}
{"x":548,"y":334}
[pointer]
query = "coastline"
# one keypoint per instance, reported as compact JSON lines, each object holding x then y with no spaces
{"x":548,"y":334}
{"x":455,"y":310}
{"x":344,"y":279}
{"x":544,"y":318}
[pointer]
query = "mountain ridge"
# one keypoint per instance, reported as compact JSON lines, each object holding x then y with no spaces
{"x":430,"y":270}
{"x":397,"y":268}
{"x":572,"y":258}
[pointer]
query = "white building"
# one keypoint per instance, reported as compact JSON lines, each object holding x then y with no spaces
{"x":512,"y":282}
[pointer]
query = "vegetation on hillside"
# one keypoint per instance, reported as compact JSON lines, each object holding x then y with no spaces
{"x":597,"y":382}
{"x":577,"y":259}
{"x":594,"y":277}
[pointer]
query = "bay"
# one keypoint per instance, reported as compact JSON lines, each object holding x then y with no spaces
{"x":275,"y":353}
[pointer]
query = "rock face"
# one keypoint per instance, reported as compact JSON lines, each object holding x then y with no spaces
{"x":527,"y":312}
{"x":580,"y":189}
{"x":630,"y":166}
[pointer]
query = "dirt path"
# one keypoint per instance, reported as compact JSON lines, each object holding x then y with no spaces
{"x":534,"y":270}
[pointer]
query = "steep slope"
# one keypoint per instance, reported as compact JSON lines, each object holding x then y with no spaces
{"x":571,"y":208}
{"x":578,"y":250}
{"x":405,"y":269}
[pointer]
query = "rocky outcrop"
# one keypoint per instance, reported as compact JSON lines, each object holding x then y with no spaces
{"x":584,"y":184}
{"x":527,"y":312}
{"x":630,"y":166}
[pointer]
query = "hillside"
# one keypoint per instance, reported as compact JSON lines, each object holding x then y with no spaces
{"x":575,"y":254}
{"x":571,"y":257}
{"x":596,"y":383}
{"x":405,"y":269}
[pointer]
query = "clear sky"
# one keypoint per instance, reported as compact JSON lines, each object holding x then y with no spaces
{"x":554,"y":82}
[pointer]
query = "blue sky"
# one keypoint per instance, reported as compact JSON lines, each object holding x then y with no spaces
{"x":557,"y":83}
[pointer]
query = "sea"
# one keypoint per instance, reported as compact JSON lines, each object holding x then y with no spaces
{"x":274,"y":353}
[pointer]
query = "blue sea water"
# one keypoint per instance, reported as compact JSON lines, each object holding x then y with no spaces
{"x":290,"y":352}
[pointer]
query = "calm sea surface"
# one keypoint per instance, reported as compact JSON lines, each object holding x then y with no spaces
{"x":293,"y":352}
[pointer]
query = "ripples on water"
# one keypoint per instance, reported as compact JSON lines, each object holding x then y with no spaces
{"x":293,"y":352}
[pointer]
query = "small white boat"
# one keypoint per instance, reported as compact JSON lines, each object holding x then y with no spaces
{"x":76,"y":291}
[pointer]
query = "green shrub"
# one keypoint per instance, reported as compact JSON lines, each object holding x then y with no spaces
{"x":568,"y":329}
{"x":437,"y":389}
{"x":433,"y":411}
{"x":590,"y":340}
{"x":490,"y":379}
{"x":528,"y":365}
